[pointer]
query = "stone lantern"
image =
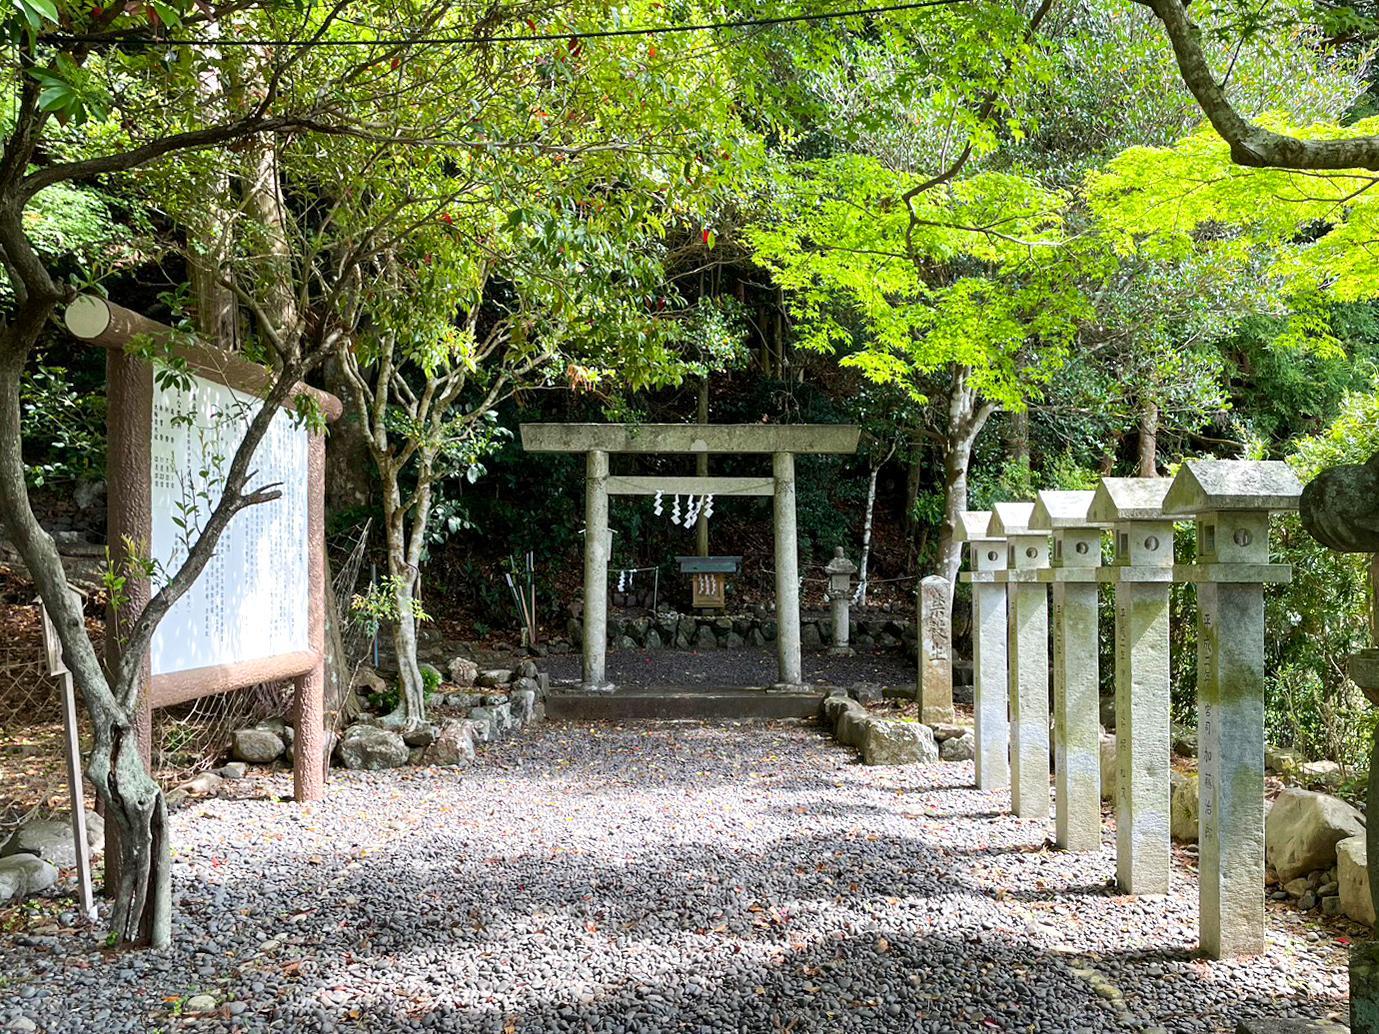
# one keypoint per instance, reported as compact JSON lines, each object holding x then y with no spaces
{"x":986,"y":559}
{"x":1076,"y":728}
{"x":1027,"y":656}
{"x":840,"y":571}
{"x":1232,"y":500}
{"x":1142,"y":573}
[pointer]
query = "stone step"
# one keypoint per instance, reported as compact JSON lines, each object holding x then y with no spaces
{"x":676,"y":703}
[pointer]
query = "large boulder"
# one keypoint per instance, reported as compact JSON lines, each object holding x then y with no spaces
{"x":371,"y":747}
{"x":1352,"y":874}
{"x":1326,"y":774}
{"x":24,"y":874}
{"x":850,"y":724}
{"x":1303,"y":829}
{"x":462,"y":672}
{"x":422,"y":735}
{"x":522,"y":703}
{"x":498,"y":717}
{"x":1282,"y":761}
{"x":454,"y":744}
{"x":897,"y":743}
{"x":528,"y":683}
{"x":366,"y":680}
{"x":959,"y":748}
{"x":51,"y":839}
{"x":494,"y":677}
{"x":832,"y":708}
{"x":256,"y":746}
{"x":1183,"y":808}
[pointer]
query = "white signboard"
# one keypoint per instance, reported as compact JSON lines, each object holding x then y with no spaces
{"x":251,"y":600}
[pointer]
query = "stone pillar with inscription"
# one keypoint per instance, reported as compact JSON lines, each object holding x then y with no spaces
{"x":935,"y":650}
{"x":1142,"y":574}
{"x":1232,"y":500}
{"x":1076,"y":713}
{"x":1027,"y":655}
{"x":986,"y":559}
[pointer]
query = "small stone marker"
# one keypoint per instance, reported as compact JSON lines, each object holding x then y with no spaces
{"x":991,"y":727}
{"x":1076,"y":728}
{"x":1232,"y":500}
{"x":935,"y":651}
{"x":1027,"y":655}
{"x":1142,"y":574}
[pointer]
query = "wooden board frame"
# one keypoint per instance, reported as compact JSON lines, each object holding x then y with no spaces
{"x":130,"y":388}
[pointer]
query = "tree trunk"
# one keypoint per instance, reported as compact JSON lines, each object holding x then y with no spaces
{"x":861,"y":597}
{"x":133,"y":804}
{"x":349,"y":482}
{"x":1017,"y":437}
{"x":1149,"y":440}
{"x":966,"y":418}
{"x":411,"y":705}
{"x":136,"y":818}
{"x":216,"y":314}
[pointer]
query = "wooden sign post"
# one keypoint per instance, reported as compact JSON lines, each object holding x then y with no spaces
{"x":75,"y":792}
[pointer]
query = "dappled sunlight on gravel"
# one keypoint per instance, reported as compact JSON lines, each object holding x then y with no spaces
{"x":656,"y":878}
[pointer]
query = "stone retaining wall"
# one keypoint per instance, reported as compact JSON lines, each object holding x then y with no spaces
{"x":669,"y":629}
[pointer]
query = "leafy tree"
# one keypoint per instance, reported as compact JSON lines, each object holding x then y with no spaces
{"x":956,"y":296}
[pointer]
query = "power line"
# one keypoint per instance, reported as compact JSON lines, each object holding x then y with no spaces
{"x":96,"y":39}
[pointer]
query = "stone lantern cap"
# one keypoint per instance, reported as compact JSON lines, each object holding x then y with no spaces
{"x":840,"y":564}
{"x":1010,"y":519}
{"x":1055,"y":510}
{"x":1077,"y":540}
{"x":1210,"y":486}
{"x":973,"y":526}
{"x":1117,"y":500}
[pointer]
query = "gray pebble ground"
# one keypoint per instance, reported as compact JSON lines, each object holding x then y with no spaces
{"x":655,"y":878}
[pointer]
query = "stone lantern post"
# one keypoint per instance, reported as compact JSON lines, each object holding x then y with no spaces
{"x":1232,"y":500}
{"x":1076,"y":714}
{"x":1142,"y":574}
{"x":1027,"y":654}
{"x":1340,"y":509}
{"x":840,"y":571}
{"x":986,"y":559}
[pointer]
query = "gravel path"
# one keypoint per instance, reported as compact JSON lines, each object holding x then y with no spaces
{"x":655,"y":878}
{"x":735,"y":668}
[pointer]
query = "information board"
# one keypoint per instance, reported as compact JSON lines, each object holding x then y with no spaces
{"x":252,"y":599}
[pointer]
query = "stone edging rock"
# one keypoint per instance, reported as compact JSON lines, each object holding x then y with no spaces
{"x":473,"y":708}
{"x":890,"y":741}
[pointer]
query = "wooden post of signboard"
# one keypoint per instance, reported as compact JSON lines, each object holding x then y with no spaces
{"x":76,"y":795}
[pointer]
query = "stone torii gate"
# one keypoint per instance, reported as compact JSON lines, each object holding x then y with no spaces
{"x":781,"y":441}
